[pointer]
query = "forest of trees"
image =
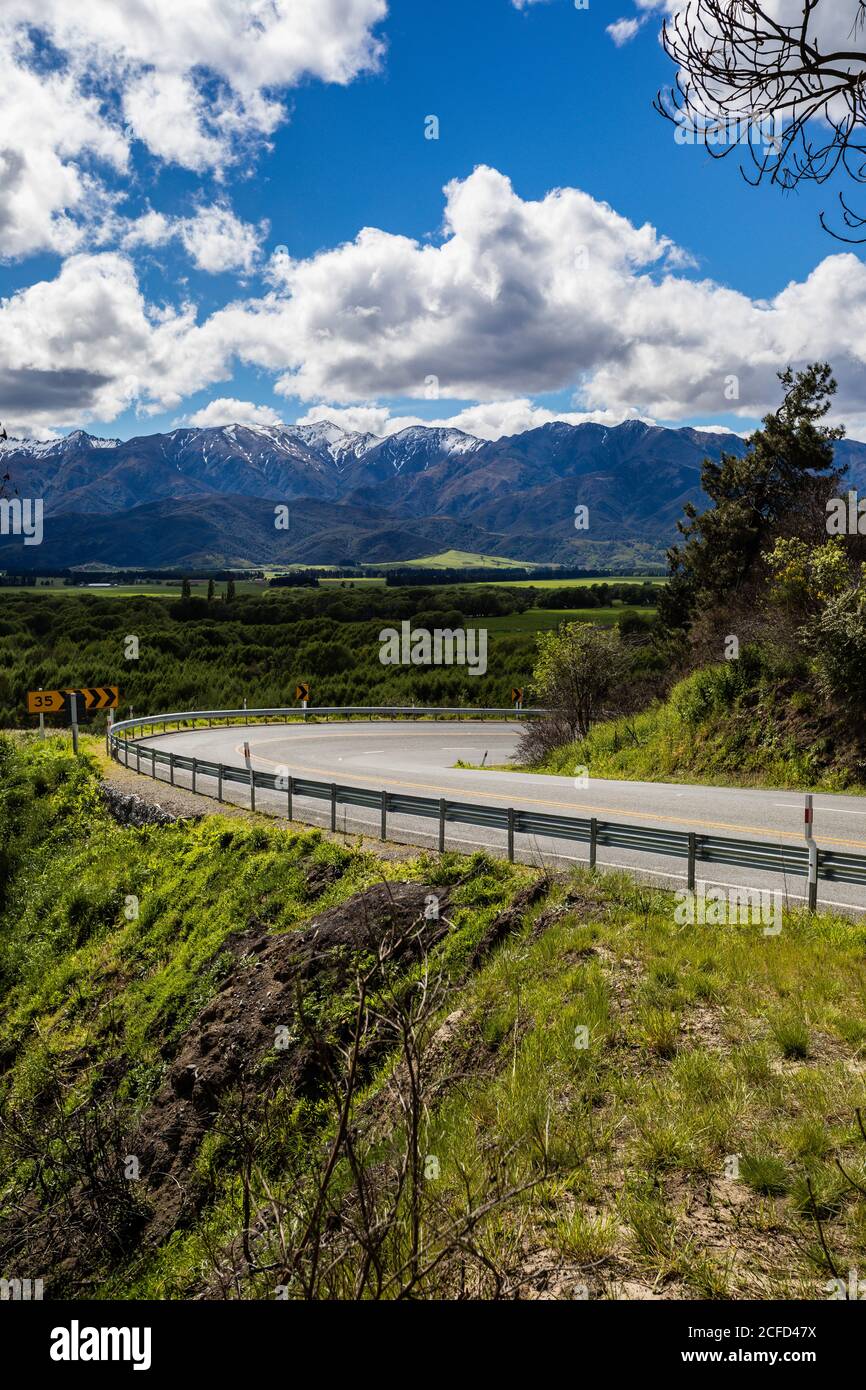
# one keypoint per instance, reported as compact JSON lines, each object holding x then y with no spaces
{"x":199,"y":653}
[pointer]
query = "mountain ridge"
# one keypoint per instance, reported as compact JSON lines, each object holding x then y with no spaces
{"x":355,"y":496}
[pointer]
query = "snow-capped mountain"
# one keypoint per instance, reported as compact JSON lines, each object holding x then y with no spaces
{"x":53,"y":448}
{"x":83,"y":474}
{"x":332,"y":439}
{"x":183,"y":496}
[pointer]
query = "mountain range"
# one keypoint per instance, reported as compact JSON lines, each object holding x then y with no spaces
{"x":207,"y":497}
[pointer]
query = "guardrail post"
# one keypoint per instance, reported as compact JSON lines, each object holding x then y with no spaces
{"x":383,"y":828}
{"x":138,"y":757}
{"x":441,"y":826}
{"x":593,"y":842}
{"x":812,"y":882}
{"x":290,"y":787}
{"x":333,"y":806}
{"x":813,"y":876}
{"x":153,"y":763}
{"x":252,"y":789}
{"x":693,"y":856}
{"x":219,"y":781}
{"x":511,"y":834}
{"x":171,"y":768}
{"x":194,"y":769}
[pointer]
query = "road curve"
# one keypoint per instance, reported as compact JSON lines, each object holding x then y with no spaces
{"x":419,"y":758}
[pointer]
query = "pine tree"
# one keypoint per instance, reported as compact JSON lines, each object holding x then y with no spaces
{"x":779,"y":487}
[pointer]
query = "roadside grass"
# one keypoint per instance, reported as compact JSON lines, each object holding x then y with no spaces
{"x":711,"y":731}
{"x":632,"y":1098}
{"x":681,"y":1102}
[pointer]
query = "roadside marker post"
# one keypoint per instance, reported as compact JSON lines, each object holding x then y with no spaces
{"x":517,"y":698}
{"x":73,"y":706}
{"x":808,"y":826}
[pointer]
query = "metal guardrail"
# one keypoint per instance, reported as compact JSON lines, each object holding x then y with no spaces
{"x":293,"y":713}
{"x":833,"y":866}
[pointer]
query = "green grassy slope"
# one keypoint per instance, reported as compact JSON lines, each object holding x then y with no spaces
{"x":588,"y":1071}
{"x":719,"y":729}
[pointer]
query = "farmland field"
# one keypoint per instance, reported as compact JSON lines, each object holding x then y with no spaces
{"x":148,"y":588}
{"x":463,"y":559}
{"x":363,"y":582}
{"x":546,"y":619}
{"x":572,"y":583}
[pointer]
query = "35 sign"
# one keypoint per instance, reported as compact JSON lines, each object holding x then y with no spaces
{"x":45,"y":701}
{"x":96,"y":697}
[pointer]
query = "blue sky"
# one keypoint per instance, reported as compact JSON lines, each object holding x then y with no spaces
{"x":541,"y":95}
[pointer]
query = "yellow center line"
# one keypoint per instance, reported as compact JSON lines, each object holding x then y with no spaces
{"x":564,"y":805}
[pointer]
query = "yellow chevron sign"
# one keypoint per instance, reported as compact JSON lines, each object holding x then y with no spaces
{"x":302,"y":691}
{"x":98,"y":696}
{"x":56,"y":701}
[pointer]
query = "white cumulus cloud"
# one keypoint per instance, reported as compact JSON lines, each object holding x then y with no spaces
{"x":623,"y":31}
{"x":228,"y":411}
{"x":215,"y":239}
{"x":487,"y":420}
{"x":193,"y":82}
{"x":519,"y":299}
{"x":218,"y":241}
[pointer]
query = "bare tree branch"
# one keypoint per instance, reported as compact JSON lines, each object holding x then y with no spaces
{"x":792,"y":96}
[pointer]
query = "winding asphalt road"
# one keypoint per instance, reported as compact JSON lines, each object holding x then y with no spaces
{"x":419,"y":758}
